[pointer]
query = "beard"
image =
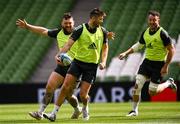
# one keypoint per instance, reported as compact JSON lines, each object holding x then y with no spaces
{"x":67,"y":29}
{"x":153,"y":27}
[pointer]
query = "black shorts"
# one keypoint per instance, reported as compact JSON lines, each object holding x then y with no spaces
{"x":152,"y":70}
{"x":87,"y":70}
{"x":62,"y":70}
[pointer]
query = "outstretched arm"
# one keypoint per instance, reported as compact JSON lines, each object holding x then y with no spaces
{"x":36,"y":29}
{"x":133,"y":49}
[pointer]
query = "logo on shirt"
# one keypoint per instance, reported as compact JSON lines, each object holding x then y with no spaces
{"x":149,"y":46}
{"x":92,"y":46}
{"x":155,"y":40}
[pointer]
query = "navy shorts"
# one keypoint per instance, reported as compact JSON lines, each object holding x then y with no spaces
{"x":62,"y":70}
{"x":87,"y":70}
{"x":152,"y":70}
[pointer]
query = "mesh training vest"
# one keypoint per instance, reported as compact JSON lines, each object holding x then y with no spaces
{"x":89,"y":46}
{"x":62,"y":39}
{"x":155,"y":49}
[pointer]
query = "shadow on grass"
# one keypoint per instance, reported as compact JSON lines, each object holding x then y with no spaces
{"x":21,"y":121}
{"x":98,"y":119}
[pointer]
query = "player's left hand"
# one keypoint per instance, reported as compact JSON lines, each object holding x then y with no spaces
{"x":102,"y":65}
{"x":110,"y":35}
{"x":164,"y":70}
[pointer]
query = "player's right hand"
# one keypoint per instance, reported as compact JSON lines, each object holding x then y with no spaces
{"x":58,"y":61}
{"x":21,"y":23}
{"x":122,"y":56}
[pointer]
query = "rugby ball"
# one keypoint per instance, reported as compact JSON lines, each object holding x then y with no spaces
{"x":65,"y":59}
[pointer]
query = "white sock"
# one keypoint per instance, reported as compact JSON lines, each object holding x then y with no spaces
{"x":135,"y":106}
{"x":55,"y":110}
{"x":42,"y":107}
{"x":85,"y":108}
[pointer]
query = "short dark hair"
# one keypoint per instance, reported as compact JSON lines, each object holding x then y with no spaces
{"x":97,"y":12}
{"x":154,"y":13}
{"x":67,"y":15}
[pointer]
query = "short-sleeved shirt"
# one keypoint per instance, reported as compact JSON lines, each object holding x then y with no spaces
{"x":62,"y":70}
{"x":62,"y":37}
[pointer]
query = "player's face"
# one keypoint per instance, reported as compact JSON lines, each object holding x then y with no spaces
{"x":98,"y":20}
{"x":68,"y":25}
{"x":153,"y":22}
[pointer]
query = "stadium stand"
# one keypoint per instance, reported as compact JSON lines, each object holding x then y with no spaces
{"x":114,"y":70}
{"x":100,"y":75}
{"x":129,"y":70}
{"x":127,"y":19}
{"x":21,"y":51}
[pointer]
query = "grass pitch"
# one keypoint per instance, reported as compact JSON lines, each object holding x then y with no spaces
{"x":166,"y":112}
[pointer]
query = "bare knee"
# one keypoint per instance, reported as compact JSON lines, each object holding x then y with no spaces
{"x":52,"y":85}
{"x":65,"y":89}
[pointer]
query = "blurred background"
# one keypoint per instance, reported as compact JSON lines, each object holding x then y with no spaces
{"x":27,"y":59}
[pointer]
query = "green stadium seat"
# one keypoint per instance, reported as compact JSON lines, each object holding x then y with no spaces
{"x":21,"y":50}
